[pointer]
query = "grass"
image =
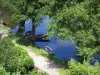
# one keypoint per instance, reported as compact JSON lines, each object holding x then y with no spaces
{"x":16,"y":40}
{"x":3,"y":28}
{"x":26,"y":43}
{"x":38,"y":51}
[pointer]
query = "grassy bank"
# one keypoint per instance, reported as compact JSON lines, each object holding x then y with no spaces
{"x":24,"y":65}
{"x":3,"y":28}
{"x":26,"y":43}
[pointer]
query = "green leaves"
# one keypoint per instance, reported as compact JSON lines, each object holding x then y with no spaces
{"x":14,"y":58}
{"x":3,"y":71}
{"x":75,"y":20}
{"x":76,"y":68}
{"x":79,"y":23}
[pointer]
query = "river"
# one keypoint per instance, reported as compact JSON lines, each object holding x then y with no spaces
{"x":62,"y":50}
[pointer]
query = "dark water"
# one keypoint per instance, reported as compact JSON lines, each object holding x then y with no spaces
{"x":61,"y":49}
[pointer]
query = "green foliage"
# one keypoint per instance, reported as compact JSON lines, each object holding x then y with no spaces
{"x":3,"y":71}
{"x":5,"y":49}
{"x":14,"y":58}
{"x":23,"y":9}
{"x":76,"y":68}
{"x":4,"y":29}
{"x":79,"y":22}
{"x":35,"y":72}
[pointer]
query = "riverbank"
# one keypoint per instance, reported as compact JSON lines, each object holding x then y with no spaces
{"x":38,"y":53}
{"x":49,"y":63}
{"x":25,"y":65}
{"x":3,"y":28}
{"x":41,"y":63}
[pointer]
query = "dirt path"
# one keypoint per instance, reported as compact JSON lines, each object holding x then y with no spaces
{"x":43,"y":64}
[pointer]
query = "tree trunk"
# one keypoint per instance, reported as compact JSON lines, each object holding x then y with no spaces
{"x":33,"y":34}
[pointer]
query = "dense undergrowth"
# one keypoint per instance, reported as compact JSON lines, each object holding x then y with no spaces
{"x":70,"y":68}
{"x":14,"y":60}
{"x":78,"y":20}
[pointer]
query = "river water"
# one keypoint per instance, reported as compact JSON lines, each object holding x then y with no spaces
{"x":62,"y":50}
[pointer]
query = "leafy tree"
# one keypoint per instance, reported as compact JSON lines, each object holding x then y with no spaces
{"x":79,"y":22}
{"x":24,"y":9}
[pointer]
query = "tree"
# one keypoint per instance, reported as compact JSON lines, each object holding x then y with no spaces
{"x":79,"y":23}
{"x":24,"y":9}
{"x":77,"y":20}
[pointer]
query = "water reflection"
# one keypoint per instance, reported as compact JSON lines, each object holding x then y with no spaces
{"x":61,"y":49}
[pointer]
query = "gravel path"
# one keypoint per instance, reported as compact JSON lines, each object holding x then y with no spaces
{"x":43,"y":64}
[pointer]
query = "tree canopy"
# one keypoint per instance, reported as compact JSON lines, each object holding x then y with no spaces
{"x":77,"y":20}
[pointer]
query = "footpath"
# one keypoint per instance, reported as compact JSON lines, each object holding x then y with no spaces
{"x":43,"y":64}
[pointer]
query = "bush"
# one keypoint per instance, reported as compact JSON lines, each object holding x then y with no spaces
{"x":14,"y":58}
{"x":25,"y":61}
{"x":5,"y":49}
{"x":3,"y":71}
{"x":35,"y":72}
{"x":76,"y":68}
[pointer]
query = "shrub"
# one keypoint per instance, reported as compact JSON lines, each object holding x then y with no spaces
{"x":14,"y":58}
{"x":76,"y":68}
{"x":35,"y":72}
{"x":25,"y":61}
{"x":3,"y":71}
{"x":5,"y":49}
